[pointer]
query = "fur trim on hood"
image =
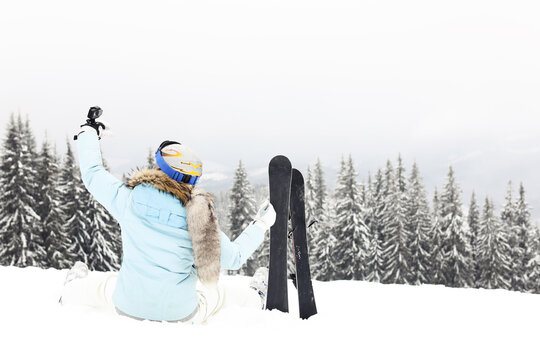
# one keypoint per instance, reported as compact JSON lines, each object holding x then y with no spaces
{"x":201,"y":220}
{"x":160,"y":181}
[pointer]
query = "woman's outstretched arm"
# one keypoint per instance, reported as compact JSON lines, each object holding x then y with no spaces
{"x":110,"y":192}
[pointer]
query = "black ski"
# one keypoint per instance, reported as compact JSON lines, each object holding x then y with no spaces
{"x":280,"y":188}
{"x":306,"y":298}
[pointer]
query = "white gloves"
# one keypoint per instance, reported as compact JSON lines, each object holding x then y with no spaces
{"x":266,"y":216}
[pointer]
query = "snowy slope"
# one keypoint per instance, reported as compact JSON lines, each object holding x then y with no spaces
{"x":356,"y":320}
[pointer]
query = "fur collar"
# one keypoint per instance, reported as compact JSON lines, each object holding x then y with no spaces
{"x":160,"y":181}
{"x":201,"y":220}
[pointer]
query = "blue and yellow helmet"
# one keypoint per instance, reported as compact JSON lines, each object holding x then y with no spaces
{"x":179,"y":162}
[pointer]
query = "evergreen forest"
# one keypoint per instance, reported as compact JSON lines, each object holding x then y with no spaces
{"x":383,"y":229}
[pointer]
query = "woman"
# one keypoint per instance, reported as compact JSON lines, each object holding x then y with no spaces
{"x":172,"y":248}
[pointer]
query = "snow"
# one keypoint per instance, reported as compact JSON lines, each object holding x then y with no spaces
{"x":357,"y":320}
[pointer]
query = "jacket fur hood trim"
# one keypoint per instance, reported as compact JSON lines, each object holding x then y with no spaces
{"x":201,"y":220}
{"x":160,"y":181}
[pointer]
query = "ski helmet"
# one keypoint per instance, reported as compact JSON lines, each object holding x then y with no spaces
{"x":179,"y":162}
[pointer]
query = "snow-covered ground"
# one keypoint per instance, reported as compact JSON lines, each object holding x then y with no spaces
{"x":356,"y":320}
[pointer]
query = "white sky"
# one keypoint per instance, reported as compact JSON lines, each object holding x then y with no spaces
{"x":455,"y":82}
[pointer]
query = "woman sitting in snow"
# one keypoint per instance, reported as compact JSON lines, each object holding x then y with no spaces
{"x":173,"y":250}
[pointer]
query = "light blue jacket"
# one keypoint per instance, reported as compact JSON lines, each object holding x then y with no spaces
{"x":157,"y":278}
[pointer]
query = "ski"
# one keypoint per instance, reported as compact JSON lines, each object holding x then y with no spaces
{"x":306,"y":298}
{"x":279,"y":172}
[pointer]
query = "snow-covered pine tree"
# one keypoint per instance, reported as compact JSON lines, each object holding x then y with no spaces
{"x":397,"y":256}
{"x":50,"y":211}
{"x":494,"y":253}
{"x":510,"y":230}
{"x":21,"y":243}
{"x":72,"y":200}
{"x":350,"y":229}
{"x":526,"y":240}
{"x":319,"y":186}
{"x":368,"y":204}
{"x":342,"y":266}
{"x":362,"y":195}
{"x":533,"y":267}
{"x":456,"y":248}
{"x":436,"y":235}
{"x":325,"y":241}
{"x":311,"y":210}
{"x":366,"y":215}
{"x":400,"y":175}
{"x":98,"y":246}
{"x":419,"y":225}
{"x":316,"y":198}
{"x":262,"y":255}
{"x":112,"y":233}
{"x":89,"y":227}
{"x":150,"y":160}
{"x":374,"y":262}
{"x":241,"y":212}
{"x":473,"y":219}
{"x":30,"y":158}
{"x":221,"y":208}
{"x":309,"y":193}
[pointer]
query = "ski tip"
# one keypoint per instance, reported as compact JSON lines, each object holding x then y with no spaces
{"x":280,"y":160}
{"x":296,"y":174}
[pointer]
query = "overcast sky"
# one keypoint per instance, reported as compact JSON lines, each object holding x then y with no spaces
{"x":443,"y":83}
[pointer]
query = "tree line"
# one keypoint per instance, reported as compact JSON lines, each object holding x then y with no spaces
{"x":385,"y":230}
{"x":47,"y":217}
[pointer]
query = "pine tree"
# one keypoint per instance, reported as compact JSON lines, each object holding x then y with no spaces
{"x":112,"y":232}
{"x":510,"y":230}
{"x":316,"y":198}
{"x":456,"y":249}
{"x":526,"y":240}
{"x":494,"y":253}
{"x":325,"y":242}
{"x":400,"y":175}
{"x":150,"y":160}
{"x":436,"y":235}
{"x":113,"y":236}
{"x":49,"y":210}
{"x":533,"y":266}
{"x":473,"y":219}
{"x":311,"y":211}
{"x":309,"y":193}
{"x":368,"y":200}
{"x":98,"y":246}
{"x":350,"y":230}
{"x":30,"y":158}
{"x":20,"y":237}
{"x":261,"y":258}
{"x":73,"y":200}
{"x":418,"y":225}
{"x":396,"y":253}
{"x":241,"y":212}
{"x":374,"y":262}
{"x":319,"y":186}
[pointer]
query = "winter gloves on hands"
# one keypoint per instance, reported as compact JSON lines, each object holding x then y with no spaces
{"x":266,"y":216}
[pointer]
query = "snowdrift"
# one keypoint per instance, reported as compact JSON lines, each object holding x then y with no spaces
{"x":356,"y":320}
